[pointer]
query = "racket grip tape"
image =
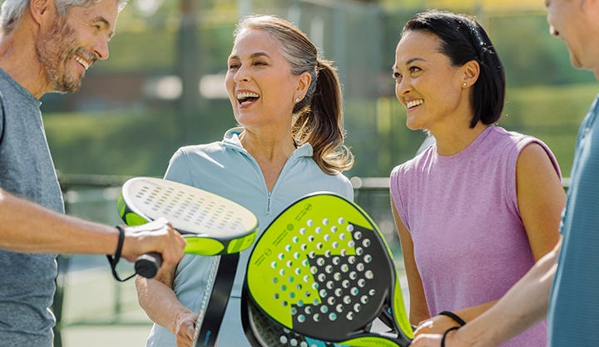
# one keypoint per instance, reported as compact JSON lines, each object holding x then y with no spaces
{"x":147,"y":265}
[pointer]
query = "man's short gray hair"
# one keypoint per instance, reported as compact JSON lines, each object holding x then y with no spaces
{"x":12,"y":10}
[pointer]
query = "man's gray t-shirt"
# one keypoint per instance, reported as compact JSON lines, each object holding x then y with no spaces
{"x":26,"y":170}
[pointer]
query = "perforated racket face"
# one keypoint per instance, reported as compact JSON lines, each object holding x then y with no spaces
{"x":321,"y":269}
{"x":191,"y":211}
{"x":267,"y":333}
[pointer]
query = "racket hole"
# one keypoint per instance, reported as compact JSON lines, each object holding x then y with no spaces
{"x":335,"y":245}
{"x":369,"y":274}
{"x":372,"y":292}
{"x":295,"y":239}
{"x":331,"y":300}
{"x":283,"y":339}
{"x":351,"y":244}
{"x":302,"y":231}
{"x":291,"y":279}
{"x":322,"y":277}
{"x":326,"y":237}
{"x":354,"y":291}
{"x":361,"y":283}
{"x":337,"y":276}
{"x":364,"y":299}
{"x":350,"y":316}
{"x":330,"y":285}
{"x":281,"y":256}
{"x":323,"y":293}
{"x":339,"y":308}
{"x":344,"y":268}
{"x":347,"y":300}
{"x":357,"y":308}
{"x":309,"y":222}
{"x":339,"y":292}
{"x":367,"y":258}
{"x":273,"y":265}
{"x":318,"y":230}
{"x":324,"y":309}
{"x":366,"y":243}
{"x":333,"y":317}
{"x":359,"y":251}
{"x":316,"y":317}
{"x":341,"y":220}
{"x":357,"y":235}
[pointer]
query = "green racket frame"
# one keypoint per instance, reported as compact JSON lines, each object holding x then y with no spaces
{"x":285,"y":281}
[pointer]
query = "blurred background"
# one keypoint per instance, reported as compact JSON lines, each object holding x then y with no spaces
{"x":163,"y":87}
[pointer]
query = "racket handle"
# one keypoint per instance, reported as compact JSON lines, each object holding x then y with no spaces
{"x":147,"y":265}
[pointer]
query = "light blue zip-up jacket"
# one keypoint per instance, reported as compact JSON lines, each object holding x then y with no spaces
{"x":225,"y":168}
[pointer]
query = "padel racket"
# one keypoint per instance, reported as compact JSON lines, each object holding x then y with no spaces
{"x":215,"y":299}
{"x":323,"y":270}
{"x":210,"y":224}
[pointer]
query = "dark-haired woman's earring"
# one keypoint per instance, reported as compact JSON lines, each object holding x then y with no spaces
{"x":464,"y":84}
{"x":298,"y":99}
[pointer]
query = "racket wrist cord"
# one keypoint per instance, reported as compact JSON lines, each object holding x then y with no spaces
{"x":445,"y":335}
{"x":117,"y":255}
{"x":453,"y":316}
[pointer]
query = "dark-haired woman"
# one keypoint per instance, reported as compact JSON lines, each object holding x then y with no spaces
{"x":476,"y":209}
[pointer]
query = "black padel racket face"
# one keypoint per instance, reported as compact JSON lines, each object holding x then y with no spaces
{"x":210,"y":223}
{"x":323,"y":269}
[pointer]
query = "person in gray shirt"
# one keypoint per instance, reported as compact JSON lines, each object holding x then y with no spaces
{"x":46,"y":46}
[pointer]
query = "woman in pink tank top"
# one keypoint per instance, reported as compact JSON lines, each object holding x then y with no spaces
{"x":477,"y":208}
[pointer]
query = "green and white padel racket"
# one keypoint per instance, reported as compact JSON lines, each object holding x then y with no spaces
{"x":323,"y":270}
{"x":210,"y":224}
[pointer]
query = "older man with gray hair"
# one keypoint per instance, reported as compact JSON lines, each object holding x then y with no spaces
{"x":46,"y":46}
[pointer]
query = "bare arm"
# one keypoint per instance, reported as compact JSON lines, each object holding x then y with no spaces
{"x":162,"y":306}
{"x":28,"y":227}
{"x":524,"y":305}
{"x":541,"y":199}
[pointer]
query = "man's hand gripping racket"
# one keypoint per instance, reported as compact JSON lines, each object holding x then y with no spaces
{"x":210,"y":224}
{"x":320,"y":275}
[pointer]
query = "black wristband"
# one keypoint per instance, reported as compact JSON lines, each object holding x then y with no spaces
{"x":117,"y":255}
{"x":453,"y":316}
{"x":119,"y":246}
{"x":445,"y":335}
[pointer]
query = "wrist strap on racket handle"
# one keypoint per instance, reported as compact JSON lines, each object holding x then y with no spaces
{"x":147,"y":265}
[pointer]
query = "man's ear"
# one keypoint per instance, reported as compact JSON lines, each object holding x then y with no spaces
{"x":39,"y":9}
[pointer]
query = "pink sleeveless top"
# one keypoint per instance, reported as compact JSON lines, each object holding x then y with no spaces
{"x":462,"y":212}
